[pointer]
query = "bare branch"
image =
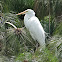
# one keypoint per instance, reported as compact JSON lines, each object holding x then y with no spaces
{"x":11,"y":25}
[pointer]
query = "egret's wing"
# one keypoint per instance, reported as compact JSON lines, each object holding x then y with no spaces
{"x":36,"y":30}
{"x":35,"y":26}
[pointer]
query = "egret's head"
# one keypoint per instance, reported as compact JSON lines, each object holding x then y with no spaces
{"x":28,"y":11}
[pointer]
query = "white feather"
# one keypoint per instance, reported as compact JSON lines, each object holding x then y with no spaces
{"x":34,"y":26}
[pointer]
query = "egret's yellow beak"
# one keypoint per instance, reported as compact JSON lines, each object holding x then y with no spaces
{"x":21,"y":13}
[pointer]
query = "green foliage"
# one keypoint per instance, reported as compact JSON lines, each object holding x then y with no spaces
{"x":11,"y":17}
{"x":44,"y":7}
{"x":46,"y":56}
{"x":58,"y":8}
{"x":17,"y":5}
{"x":46,"y":24}
{"x":58,"y":30}
{"x":11,"y":44}
{"x":24,"y":56}
{"x":39,"y":56}
{"x":55,"y":46}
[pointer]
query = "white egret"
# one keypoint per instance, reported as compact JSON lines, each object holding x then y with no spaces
{"x":34,"y":26}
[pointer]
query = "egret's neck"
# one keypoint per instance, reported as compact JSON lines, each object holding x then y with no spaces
{"x":27,"y":19}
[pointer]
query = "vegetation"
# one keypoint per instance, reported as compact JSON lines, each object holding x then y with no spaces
{"x":17,"y":5}
{"x":58,"y":30}
{"x":18,"y":46}
{"x":43,"y":56}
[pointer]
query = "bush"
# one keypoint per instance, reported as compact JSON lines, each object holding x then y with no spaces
{"x":38,"y":56}
{"x":58,"y":30}
{"x":46,"y":24}
{"x":17,"y":5}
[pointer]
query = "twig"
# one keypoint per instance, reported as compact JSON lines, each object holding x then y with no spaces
{"x":11,"y":25}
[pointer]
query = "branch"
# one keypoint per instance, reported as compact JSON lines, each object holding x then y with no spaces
{"x":11,"y":25}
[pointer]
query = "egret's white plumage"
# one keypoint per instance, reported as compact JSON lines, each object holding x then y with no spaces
{"x":34,"y":26}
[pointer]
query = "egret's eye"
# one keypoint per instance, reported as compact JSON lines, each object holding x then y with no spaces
{"x":26,"y":11}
